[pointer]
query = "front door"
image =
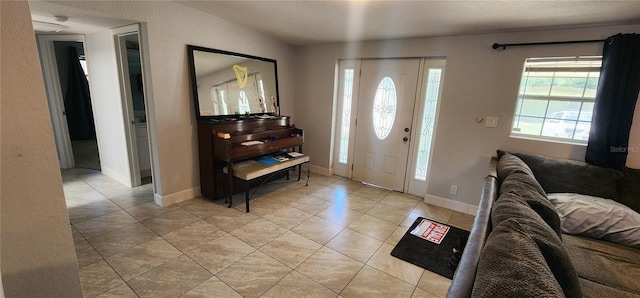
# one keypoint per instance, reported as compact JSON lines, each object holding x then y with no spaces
{"x":384,"y":116}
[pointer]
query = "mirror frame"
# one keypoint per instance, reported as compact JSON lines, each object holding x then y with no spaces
{"x":194,"y":83}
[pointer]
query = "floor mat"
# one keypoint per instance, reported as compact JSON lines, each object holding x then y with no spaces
{"x":428,"y":253}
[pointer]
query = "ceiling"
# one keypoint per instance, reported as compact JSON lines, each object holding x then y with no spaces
{"x":300,"y":22}
{"x":313,"y":22}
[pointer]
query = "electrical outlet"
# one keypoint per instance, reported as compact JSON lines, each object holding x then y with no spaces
{"x":454,"y":190}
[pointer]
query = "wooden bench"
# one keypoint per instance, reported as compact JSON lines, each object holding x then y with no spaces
{"x":249,"y":170}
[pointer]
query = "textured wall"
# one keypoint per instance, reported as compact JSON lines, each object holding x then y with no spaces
{"x":38,"y":256}
{"x":479,"y":81}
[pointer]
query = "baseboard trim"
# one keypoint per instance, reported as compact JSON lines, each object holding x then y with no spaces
{"x":321,"y":171}
{"x":177,"y":197}
{"x":451,"y":204}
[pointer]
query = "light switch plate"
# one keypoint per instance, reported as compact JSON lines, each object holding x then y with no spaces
{"x":492,"y":122}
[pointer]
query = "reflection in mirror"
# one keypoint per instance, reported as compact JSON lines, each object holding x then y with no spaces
{"x":226,"y":83}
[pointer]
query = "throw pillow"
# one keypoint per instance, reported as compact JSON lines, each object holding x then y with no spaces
{"x":597,"y":218}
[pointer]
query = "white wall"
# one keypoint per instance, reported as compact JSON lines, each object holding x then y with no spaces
{"x":479,"y":81}
{"x":38,"y":257}
{"x":106,"y":101}
{"x":170,"y":27}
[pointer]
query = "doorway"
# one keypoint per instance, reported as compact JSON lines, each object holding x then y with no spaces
{"x":65,"y":74}
{"x":132,"y":89}
{"x":386,"y":115}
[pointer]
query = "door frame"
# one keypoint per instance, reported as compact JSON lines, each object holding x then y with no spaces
{"x":411,"y":185}
{"x":127,"y":102}
{"x":55,"y":98}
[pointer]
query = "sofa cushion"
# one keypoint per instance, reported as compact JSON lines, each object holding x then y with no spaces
{"x":597,"y":218}
{"x":570,"y":176}
{"x":528,"y":197}
{"x":629,"y":189}
{"x":521,"y":260}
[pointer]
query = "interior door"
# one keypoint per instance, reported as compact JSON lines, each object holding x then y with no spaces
{"x":384,"y":117}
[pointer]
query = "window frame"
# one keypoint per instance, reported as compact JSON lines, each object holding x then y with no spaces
{"x":556,"y":69}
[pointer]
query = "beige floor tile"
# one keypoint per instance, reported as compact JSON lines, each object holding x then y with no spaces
{"x":258,"y":232}
{"x":436,"y":213}
{"x":330,"y":268}
{"x":86,"y":254}
{"x":370,"y":282}
{"x":346,"y":185}
{"x":104,"y":224}
{"x":170,"y":279}
{"x":329,"y":194}
{"x":139,"y":259}
{"x":122,"y":291}
{"x":98,"y":278}
{"x":220,"y":253}
{"x":193,"y":235}
{"x":461,"y":220}
{"x":77,"y":237}
{"x":410,"y":219}
{"x":254,"y":274}
{"x":170,"y":221}
{"x":340,"y":214}
{"x":213,"y":287}
{"x":290,"y":248}
{"x":149,"y":210}
{"x":122,"y":239}
{"x":230,"y":219}
{"x":388,"y":213}
{"x":287,"y":217}
{"x":385,"y":262}
{"x":285,"y":196}
{"x":298,"y":285}
{"x":356,"y":245}
{"x":401,"y":201}
{"x":265,"y":205}
{"x":202,"y":207}
{"x":136,"y":197}
{"x":318,"y":229}
{"x":322,"y":180}
{"x":356,"y":203}
{"x":311,"y":204}
{"x":420,"y":293}
{"x":397,"y":234}
{"x":434,"y":283}
{"x":372,"y":193}
{"x":311,"y":188}
{"x":374,"y":227}
{"x":88,"y":210}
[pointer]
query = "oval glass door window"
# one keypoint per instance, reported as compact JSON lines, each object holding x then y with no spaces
{"x":384,"y":108}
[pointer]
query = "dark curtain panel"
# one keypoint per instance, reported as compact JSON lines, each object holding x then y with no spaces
{"x":77,"y":102}
{"x":615,"y":101}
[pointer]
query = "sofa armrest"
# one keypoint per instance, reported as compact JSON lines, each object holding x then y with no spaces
{"x":464,"y":277}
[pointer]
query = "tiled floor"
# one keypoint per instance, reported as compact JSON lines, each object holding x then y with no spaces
{"x":330,"y":239}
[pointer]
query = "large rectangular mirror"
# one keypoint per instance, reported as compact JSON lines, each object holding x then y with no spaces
{"x":226,"y":83}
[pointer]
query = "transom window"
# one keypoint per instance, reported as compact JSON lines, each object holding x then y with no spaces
{"x":556,"y":99}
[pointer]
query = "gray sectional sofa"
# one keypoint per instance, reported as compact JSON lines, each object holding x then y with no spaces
{"x":519,"y":247}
